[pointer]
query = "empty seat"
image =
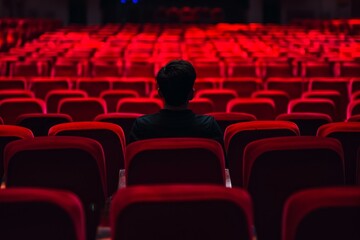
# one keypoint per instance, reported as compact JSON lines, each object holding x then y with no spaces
{"x":220,"y":97}
{"x":142,"y":85}
{"x":261,"y":108}
{"x":348,"y":133}
{"x":54,"y":97}
{"x":313,"y":105}
{"x":243,"y":69}
{"x":67,"y":69}
{"x":124,"y":120}
{"x":93,"y":86}
{"x":67,"y":163}
{"x":139,"y":105}
{"x":9,"y":133}
{"x":40,"y":123}
{"x":224,"y":119}
{"x":207,"y":83}
{"x":174,"y":160}
{"x":354,"y":85}
{"x":281,"y":99}
{"x":42,"y":86}
{"x":209,"y":68}
{"x":280,"y":70}
{"x":322,"y":213}
{"x":13,"y":83}
{"x":30,"y":213}
{"x":109,"y":135}
{"x":142,"y":68}
{"x":11,"y":108}
{"x":238,"y":136}
{"x":243,"y":86}
{"x":308,"y":123}
{"x":112,"y":97}
{"x":201,"y":105}
{"x":350,"y":69}
{"x":275,"y":168}
{"x":292,"y":86}
{"x":26,"y":69}
{"x":15,"y":93}
{"x":354,"y":118}
{"x":181,"y":212}
{"x":353,"y":108}
{"x":355,"y":96}
{"x":82,"y":109}
{"x":317,"y":69}
{"x":104,"y":69}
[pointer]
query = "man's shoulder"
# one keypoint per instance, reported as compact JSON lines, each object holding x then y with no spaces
{"x":147,"y":118}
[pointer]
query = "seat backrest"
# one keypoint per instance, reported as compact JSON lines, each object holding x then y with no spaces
{"x":174,"y":160}
{"x":201,"y":105}
{"x":112,"y":97}
{"x":11,"y":108}
{"x":93,"y":86}
{"x":348,"y":133}
{"x":139,"y":105}
{"x":9,"y":133}
{"x":275,"y":168}
{"x":353,"y":108}
{"x":313,"y":105}
{"x":109,"y":135}
{"x":54,"y":97}
{"x":45,"y":214}
{"x":143,"y":85}
{"x":261,"y":108}
{"x":308,"y":123}
{"x":41,"y":86}
{"x":75,"y":164}
{"x":13,"y":83}
{"x":281,"y":99}
{"x":243,"y":86}
{"x":181,"y":212}
{"x":237,"y":136}
{"x":220,"y":97}
{"x":40,"y":123}
{"x":354,"y":118}
{"x":15,"y":93}
{"x":82,"y":109}
{"x":224,"y":119}
{"x":322,"y":213}
{"x":292,"y":86}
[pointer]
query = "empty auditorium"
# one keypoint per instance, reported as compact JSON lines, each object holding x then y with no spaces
{"x":179,"y":120}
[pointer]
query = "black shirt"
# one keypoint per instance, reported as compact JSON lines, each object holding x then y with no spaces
{"x":170,"y":123}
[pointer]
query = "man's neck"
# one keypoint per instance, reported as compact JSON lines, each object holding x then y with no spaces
{"x":176,"y":108}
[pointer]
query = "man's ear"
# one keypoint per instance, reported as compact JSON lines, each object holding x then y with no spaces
{"x":160,"y":93}
{"x":191,"y":94}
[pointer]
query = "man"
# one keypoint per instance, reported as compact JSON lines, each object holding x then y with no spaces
{"x":175,"y":85}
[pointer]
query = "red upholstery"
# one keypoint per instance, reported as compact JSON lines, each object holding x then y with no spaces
{"x":317,"y":69}
{"x":354,"y":118}
{"x":82,"y":109}
{"x":280,"y":70}
{"x":15,"y":93}
{"x":104,"y":69}
{"x":13,"y":83}
{"x":143,"y":85}
{"x":93,"y":86}
{"x":42,"y":86}
{"x":348,"y":133}
{"x":220,"y":97}
{"x":113,"y":96}
{"x":308,"y":123}
{"x":274,"y":168}
{"x":243,"y":86}
{"x":224,"y":119}
{"x":68,"y":163}
{"x":238,"y":136}
{"x":54,"y":97}
{"x":322,"y":213}
{"x":313,"y":105}
{"x":174,"y":160}
{"x":109,"y":135}
{"x":292,"y":86}
{"x":40,"y":123}
{"x":353,"y":108}
{"x":261,"y":108}
{"x":181,"y":211}
{"x":139,"y":105}
{"x":11,"y":108}
{"x":354,"y":85}
{"x":45,"y":214}
{"x":281,"y":99}
{"x":350,"y":69}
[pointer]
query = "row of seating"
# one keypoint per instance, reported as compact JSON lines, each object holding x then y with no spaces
{"x":139,"y":212}
{"x":45,"y":161}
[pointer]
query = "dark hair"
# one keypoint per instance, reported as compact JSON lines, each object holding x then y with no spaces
{"x":175,"y":81}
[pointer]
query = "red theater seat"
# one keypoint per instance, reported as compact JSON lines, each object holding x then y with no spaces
{"x":93,"y":86}
{"x":322,"y":213}
{"x":15,"y":93}
{"x":238,"y":136}
{"x":220,"y":97}
{"x":45,"y":214}
{"x":348,"y":133}
{"x":104,"y":69}
{"x":54,"y":97}
{"x":350,"y":69}
{"x":42,"y":86}
{"x":112,"y":97}
{"x":313,"y":105}
{"x":12,"y":83}
{"x":224,"y":119}
{"x":75,"y":164}
{"x":201,"y":105}
{"x":109,"y":135}
{"x":11,"y":108}
{"x":82,"y":109}
{"x":261,"y":108}
{"x":280,"y":70}
{"x":354,"y":85}
{"x":308,"y":123}
{"x":274,"y":169}
{"x":292,"y":86}
{"x":353,"y":108}
{"x":243,"y":86}
{"x":142,"y":85}
{"x":181,"y":212}
{"x":317,"y":69}
{"x":40,"y":123}
{"x":174,"y":160}
{"x":142,"y":68}
{"x":281,"y":99}
{"x":139,"y":105}
{"x":354,"y":118}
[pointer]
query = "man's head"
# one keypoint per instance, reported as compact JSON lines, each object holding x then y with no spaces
{"x":175,"y":81}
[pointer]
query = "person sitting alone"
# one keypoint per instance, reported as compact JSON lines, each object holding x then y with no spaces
{"x":175,"y":83}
